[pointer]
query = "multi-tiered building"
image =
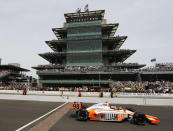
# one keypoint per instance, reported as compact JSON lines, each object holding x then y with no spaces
{"x":86,"y":53}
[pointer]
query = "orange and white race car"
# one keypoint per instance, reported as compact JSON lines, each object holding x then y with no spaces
{"x":105,"y":112}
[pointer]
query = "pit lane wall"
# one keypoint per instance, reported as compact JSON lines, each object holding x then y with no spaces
{"x":90,"y":97}
{"x":88,"y":94}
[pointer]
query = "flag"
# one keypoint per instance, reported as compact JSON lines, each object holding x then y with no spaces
{"x":86,"y":8}
{"x":78,"y":10}
{"x":153,"y":60}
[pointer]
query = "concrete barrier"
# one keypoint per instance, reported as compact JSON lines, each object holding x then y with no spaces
{"x":58,"y":96}
{"x":88,"y":94}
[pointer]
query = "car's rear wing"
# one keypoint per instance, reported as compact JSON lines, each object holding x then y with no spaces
{"x":76,"y":106}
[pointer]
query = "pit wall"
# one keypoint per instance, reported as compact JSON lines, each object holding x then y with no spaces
{"x":90,"y":97}
{"x":88,"y":94}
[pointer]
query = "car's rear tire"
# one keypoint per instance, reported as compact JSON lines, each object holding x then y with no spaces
{"x":139,"y":118}
{"x":82,"y":115}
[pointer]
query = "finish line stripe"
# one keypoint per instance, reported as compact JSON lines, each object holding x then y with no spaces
{"x":40,"y":117}
{"x":50,"y":121}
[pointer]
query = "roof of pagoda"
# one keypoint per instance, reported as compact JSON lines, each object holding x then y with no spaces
{"x":60,"y":33}
{"x":89,"y":14}
{"x":53,"y":57}
{"x":54,"y":44}
{"x":108,"y":29}
{"x":112,"y":42}
{"x":114,"y":55}
{"x":118,"y":55}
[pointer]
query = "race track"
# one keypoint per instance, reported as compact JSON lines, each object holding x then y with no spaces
{"x":14,"y":114}
{"x":69,"y":123}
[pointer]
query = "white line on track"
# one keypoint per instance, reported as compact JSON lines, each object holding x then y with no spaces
{"x":21,"y":128}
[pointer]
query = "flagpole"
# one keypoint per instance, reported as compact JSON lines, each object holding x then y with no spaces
{"x":153,"y":61}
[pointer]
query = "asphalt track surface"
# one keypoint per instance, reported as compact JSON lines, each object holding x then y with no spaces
{"x":14,"y":114}
{"x":165,"y":114}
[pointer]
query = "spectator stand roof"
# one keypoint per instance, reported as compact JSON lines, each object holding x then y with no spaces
{"x":127,"y":65}
{"x":50,"y":66}
{"x":13,"y":68}
{"x":117,"y":65}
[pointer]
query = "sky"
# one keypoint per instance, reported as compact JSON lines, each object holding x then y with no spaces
{"x":25,"y":25}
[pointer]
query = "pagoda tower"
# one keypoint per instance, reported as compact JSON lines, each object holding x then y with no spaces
{"x":86,"y":53}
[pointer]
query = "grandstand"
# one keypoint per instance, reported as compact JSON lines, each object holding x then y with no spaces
{"x":87,"y":53}
{"x":12,"y":75}
{"x":159,"y":72}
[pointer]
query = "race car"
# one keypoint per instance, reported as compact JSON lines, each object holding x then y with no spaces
{"x":105,"y":112}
